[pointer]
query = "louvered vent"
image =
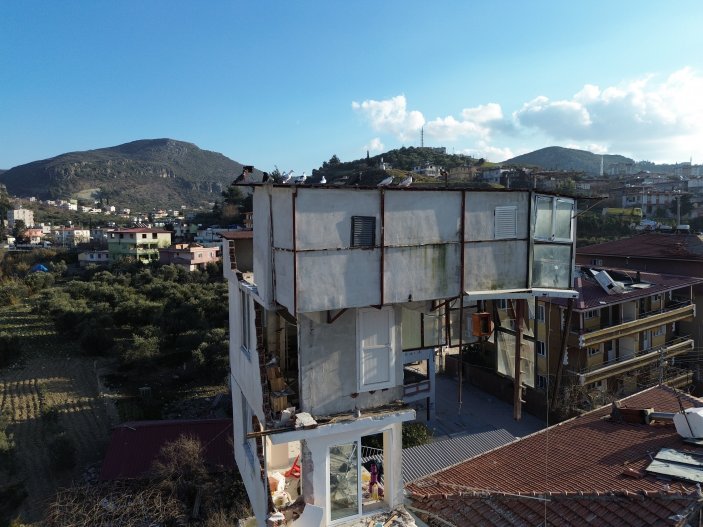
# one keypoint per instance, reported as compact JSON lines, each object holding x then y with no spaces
{"x":505,"y":222}
{"x":363,"y":231}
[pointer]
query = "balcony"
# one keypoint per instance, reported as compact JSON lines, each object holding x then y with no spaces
{"x":673,"y":312}
{"x":616,"y":367}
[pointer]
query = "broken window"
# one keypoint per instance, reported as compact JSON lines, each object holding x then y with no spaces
{"x":344,"y":480}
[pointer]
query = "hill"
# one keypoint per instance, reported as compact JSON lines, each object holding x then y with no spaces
{"x":367,"y":171}
{"x":141,"y":175}
{"x":559,"y":158}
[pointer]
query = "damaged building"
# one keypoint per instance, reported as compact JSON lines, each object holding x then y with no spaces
{"x":349,"y":287}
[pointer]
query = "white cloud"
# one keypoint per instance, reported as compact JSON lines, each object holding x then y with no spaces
{"x":646,"y":118}
{"x":375,"y":145}
{"x":391,"y":116}
{"x":483,"y":113}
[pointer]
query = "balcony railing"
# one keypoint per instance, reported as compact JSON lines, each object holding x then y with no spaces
{"x":671,"y":348}
{"x":671,"y":313}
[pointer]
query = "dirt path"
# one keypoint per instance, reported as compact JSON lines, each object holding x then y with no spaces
{"x":50,"y":375}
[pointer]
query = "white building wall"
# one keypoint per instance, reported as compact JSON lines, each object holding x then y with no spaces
{"x":244,"y":367}
{"x":248,"y":464}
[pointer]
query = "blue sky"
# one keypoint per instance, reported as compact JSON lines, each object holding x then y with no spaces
{"x":289,"y":84}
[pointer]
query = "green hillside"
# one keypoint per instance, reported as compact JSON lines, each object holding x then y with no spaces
{"x":559,"y":158}
{"x":140,"y":175}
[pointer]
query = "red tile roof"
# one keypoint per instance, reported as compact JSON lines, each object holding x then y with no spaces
{"x":135,"y":445}
{"x":141,"y":229}
{"x":650,"y":245}
{"x":585,"y":456}
{"x":567,"y":510}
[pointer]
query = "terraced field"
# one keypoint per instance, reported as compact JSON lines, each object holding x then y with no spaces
{"x":48,"y":376}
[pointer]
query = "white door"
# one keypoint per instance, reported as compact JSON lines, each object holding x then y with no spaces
{"x":375,"y":348}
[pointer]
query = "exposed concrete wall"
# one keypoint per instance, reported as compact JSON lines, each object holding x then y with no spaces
{"x":329,"y":368}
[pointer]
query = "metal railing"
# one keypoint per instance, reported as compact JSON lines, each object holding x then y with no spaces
{"x":670,"y":306}
{"x":654,"y":349}
{"x":369,"y":453}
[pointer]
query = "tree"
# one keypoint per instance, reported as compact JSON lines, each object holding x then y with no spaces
{"x":686,"y":206}
{"x":19,"y":231}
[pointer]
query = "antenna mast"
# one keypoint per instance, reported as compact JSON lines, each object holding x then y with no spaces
{"x":422,"y":137}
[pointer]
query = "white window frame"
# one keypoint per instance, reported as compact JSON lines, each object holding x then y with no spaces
{"x":661,"y":330}
{"x":360,"y":353}
{"x":591,"y":313}
{"x":593,"y":351}
{"x":540,"y":348}
{"x":541,"y":314}
{"x":554,"y":201}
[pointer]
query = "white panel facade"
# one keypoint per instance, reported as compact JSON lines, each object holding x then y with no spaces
{"x":284,"y":279}
{"x":282,"y":207}
{"x":492,"y":266}
{"x":480,"y":209}
{"x":337,"y":279}
{"x":421,"y":273}
{"x":262,"y":246}
{"x":323,"y":217}
{"x":413,"y":218}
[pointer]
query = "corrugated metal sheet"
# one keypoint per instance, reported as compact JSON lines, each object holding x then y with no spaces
{"x":135,"y":445}
{"x":422,"y":460}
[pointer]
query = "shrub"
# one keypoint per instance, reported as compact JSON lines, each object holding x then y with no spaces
{"x":10,"y":348}
{"x":415,"y":434}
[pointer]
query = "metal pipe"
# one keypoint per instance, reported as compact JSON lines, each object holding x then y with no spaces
{"x":295,"y":257}
{"x":383,"y":240}
{"x":461,"y":297}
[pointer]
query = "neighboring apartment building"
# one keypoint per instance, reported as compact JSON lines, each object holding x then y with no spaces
{"x":70,"y":236}
{"x":24,"y":215}
{"x":140,"y":243}
{"x":34,"y":236}
{"x":87,"y":258}
{"x":189,"y":256}
{"x":654,"y":252}
{"x":625,"y":335}
{"x":349,"y":285}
